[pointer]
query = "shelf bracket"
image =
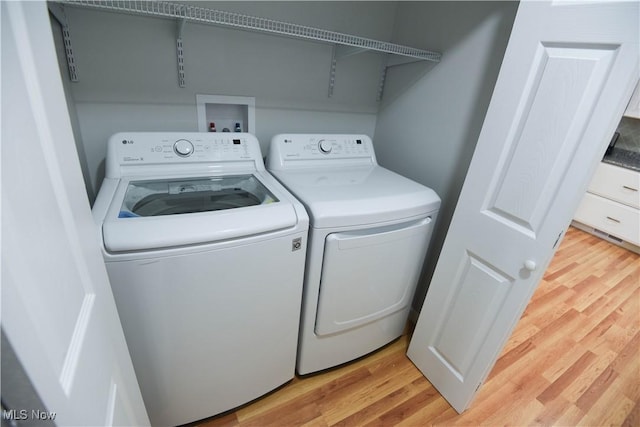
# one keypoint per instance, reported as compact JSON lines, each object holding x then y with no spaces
{"x":346,"y":51}
{"x":57,"y":10}
{"x":384,"y":65}
{"x":340,"y":52}
{"x":388,"y":62}
{"x":332,"y":70}
{"x":180,"y":51}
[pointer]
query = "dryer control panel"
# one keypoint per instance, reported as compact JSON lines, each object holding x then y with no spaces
{"x":130,"y":149}
{"x":296,"y":150}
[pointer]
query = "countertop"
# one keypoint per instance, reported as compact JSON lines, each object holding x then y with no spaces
{"x":624,"y":158}
{"x":626,"y":151}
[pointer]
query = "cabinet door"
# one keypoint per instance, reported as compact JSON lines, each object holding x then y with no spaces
{"x":565,"y":79}
{"x":613,"y":218}
{"x":369,"y":274}
{"x":616,"y":183}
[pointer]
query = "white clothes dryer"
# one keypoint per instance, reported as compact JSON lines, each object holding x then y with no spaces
{"x":370,"y":229}
{"x":205,"y":252}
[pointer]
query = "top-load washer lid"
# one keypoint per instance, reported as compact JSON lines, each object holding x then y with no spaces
{"x":158,"y":213}
{"x":190,"y":195}
{"x":336,"y":197}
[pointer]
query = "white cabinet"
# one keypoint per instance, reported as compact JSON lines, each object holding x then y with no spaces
{"x":616,"y":183}
{"x":611,"y":207}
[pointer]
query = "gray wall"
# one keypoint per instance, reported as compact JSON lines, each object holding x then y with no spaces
{"x":128,"y":78}
{"x":431,"y":117}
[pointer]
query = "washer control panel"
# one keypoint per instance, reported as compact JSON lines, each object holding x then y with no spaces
{"x":127,"y":149}
{"x":141,"y":148}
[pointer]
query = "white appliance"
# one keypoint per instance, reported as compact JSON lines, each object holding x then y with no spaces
{"x":205,"y":252}
{"x":370,"y":229}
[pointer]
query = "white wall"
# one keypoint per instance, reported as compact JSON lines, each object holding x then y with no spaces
{"x":128,"y":72}
{"x":431,"y":115}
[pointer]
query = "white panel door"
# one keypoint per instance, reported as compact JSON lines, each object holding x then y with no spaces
{"x":567,"y":74}
{"x":58,"y":311}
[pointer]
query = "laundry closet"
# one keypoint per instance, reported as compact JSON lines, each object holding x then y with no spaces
{"x":438,"y":117}
{"x":423,"y":116}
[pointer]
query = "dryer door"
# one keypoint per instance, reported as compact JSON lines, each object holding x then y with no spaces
{"x":369,"y":274}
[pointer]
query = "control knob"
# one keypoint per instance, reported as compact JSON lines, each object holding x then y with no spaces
{"x":183,"y":148}
{"x":324,"y":146}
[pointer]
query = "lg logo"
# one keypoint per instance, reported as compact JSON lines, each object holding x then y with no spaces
{"x":125,"y":142}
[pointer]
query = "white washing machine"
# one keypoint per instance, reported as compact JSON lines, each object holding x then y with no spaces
{"x":205,"y":252}
{"x":370,"y":229}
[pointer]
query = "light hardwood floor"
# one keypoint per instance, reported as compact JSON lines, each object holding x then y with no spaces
{"x":574,"y":359}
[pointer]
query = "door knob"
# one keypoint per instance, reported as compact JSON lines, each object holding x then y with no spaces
{"x":530,"y":265}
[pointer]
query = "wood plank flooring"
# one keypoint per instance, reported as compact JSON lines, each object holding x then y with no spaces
{"x":574,"y":359}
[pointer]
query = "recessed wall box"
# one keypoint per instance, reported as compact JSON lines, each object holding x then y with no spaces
{"x":226,"y":112}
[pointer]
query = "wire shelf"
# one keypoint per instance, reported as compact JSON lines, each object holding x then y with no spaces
{"x":237,"y":20}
